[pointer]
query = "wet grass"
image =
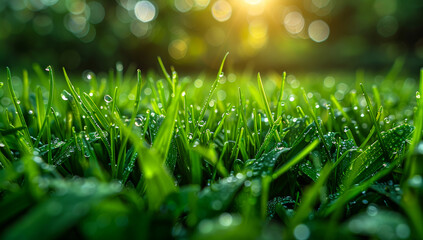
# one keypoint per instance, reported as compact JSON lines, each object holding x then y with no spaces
{"x":151,"y":155}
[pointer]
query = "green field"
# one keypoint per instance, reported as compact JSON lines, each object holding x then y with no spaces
{"x":134,"y":154}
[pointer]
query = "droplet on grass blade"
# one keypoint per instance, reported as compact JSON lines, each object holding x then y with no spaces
{"x":108,"y":99}
{"x":138,"y":122}
{"x":64,"y":97}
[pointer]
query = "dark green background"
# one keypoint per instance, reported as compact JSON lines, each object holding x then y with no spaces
{"x":31,"y":31}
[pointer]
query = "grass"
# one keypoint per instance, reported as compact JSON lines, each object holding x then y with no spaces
{"x":146,"y":155}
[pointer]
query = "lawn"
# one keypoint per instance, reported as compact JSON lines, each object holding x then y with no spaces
{"x":242,"y":155}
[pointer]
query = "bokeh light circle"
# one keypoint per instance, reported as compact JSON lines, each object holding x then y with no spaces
{"x":222,"y":10}
{"x":178,"y":49}
{"x":387,"y":26}
{"x":318,"y":31}
{"x":145,"y":11}
{"x":294,"y":22}
{"x":184,"y":5}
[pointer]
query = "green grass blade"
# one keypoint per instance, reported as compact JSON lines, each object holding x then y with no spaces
{"x":295,"y":159}
{"x":375,"y":122}
{"x":319,"y":127}
{"x":49,"y":105}
{"x":18,"y":108}
{"x":213,"y":89}
{"x":279,"y":103}
{"x":165,"y":134}
{"x":264,"y":99}
{"x":166,"y":74}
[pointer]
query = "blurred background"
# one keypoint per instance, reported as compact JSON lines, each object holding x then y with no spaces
{"x":193,"y":35}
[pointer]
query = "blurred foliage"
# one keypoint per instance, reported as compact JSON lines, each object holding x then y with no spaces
{"x":193,"y":34}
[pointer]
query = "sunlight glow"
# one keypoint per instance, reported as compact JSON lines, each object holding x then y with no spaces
{"x":257,"y":34}
{"x":253,"y":2}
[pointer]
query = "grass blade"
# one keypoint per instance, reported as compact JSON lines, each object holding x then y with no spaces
{"x":18,"y":108}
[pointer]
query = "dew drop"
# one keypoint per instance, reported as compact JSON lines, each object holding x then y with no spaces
{"x":108,"y":99}
{"x":138,"y":122}
{"x":64,"y":97}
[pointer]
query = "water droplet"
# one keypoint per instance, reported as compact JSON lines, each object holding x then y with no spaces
{"x":64,"y":97}
{"x":138,"y":122}
{"x":201,"y":123}
{"x":418,"y":95}
{"x":108,"y":99}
